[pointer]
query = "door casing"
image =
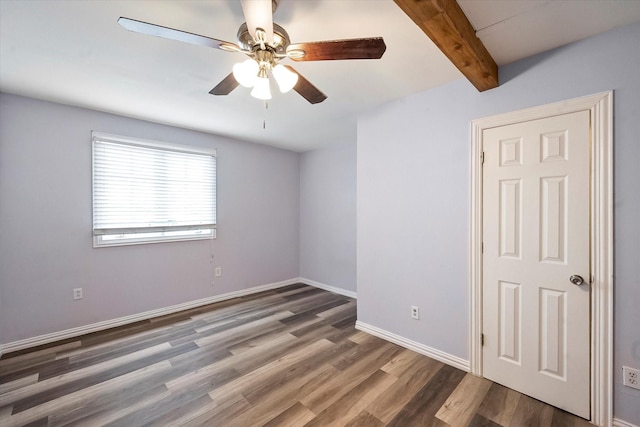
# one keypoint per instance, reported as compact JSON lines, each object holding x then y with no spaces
{"x":600,"y":106}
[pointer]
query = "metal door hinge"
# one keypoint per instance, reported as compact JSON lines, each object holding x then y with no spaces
{"x":482,"y":339}
{"x":482,"y":157}
{"x":482,"y":247}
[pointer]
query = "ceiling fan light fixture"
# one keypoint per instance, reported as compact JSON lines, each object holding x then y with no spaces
{"x":246,"y":72}
{"x":285,"y":78}
{"x":261,"y":89}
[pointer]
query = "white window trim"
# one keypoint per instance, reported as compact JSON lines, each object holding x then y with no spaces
{"x":144,"y":238}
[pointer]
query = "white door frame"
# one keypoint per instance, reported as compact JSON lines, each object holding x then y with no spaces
{"x":601,"y":210}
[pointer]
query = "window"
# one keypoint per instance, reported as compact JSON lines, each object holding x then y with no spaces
{"x":146,"y":191}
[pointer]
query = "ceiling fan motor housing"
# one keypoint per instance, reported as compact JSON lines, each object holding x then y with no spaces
{"x":278,"y":47}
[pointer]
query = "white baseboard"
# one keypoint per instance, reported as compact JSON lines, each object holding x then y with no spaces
{"x":441,"y":356}
{"x":100,"y":326}
{"x":329,"y":288}
{"x":617,"y":422}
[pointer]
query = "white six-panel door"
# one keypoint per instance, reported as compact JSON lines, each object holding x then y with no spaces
{"x":535,"y":237}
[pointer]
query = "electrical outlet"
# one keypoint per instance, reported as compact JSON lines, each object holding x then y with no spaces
{"x":631,"y":377}
{"x":218,"y":271}
{"x":77,"y":293}
{"x":415,"y":312}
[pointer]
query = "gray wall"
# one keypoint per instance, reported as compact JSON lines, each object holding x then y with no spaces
{"x":413,"y":195}
{"x":328,"y":216}
{"x":45,"y":224}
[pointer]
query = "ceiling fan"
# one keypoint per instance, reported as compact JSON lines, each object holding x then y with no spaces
{"x":266,"y":44}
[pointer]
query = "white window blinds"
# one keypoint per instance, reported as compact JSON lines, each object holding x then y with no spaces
{"x":150,"y":187}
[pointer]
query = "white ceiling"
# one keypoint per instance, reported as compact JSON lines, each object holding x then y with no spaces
{"x":75,"y":53}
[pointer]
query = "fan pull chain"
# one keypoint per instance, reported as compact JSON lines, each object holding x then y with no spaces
{"x":264,"y":121}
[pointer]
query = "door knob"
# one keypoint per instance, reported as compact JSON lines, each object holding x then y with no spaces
{"x":576,"y":280}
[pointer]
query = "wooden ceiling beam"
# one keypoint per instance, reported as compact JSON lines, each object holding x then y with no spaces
{"x":448,"y":27}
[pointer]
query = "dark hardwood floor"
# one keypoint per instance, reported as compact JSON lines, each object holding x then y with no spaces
{"x":288,"y":357}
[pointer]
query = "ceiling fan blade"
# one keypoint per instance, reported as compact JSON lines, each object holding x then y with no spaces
{"x":259,"y":14}
{"x":170,"y":33}
{"x":225,"y":87}
{"x":369,"y":48}
{"x":306,"y":89}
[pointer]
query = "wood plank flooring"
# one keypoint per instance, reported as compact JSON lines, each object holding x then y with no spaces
{"x":288,"y":357}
